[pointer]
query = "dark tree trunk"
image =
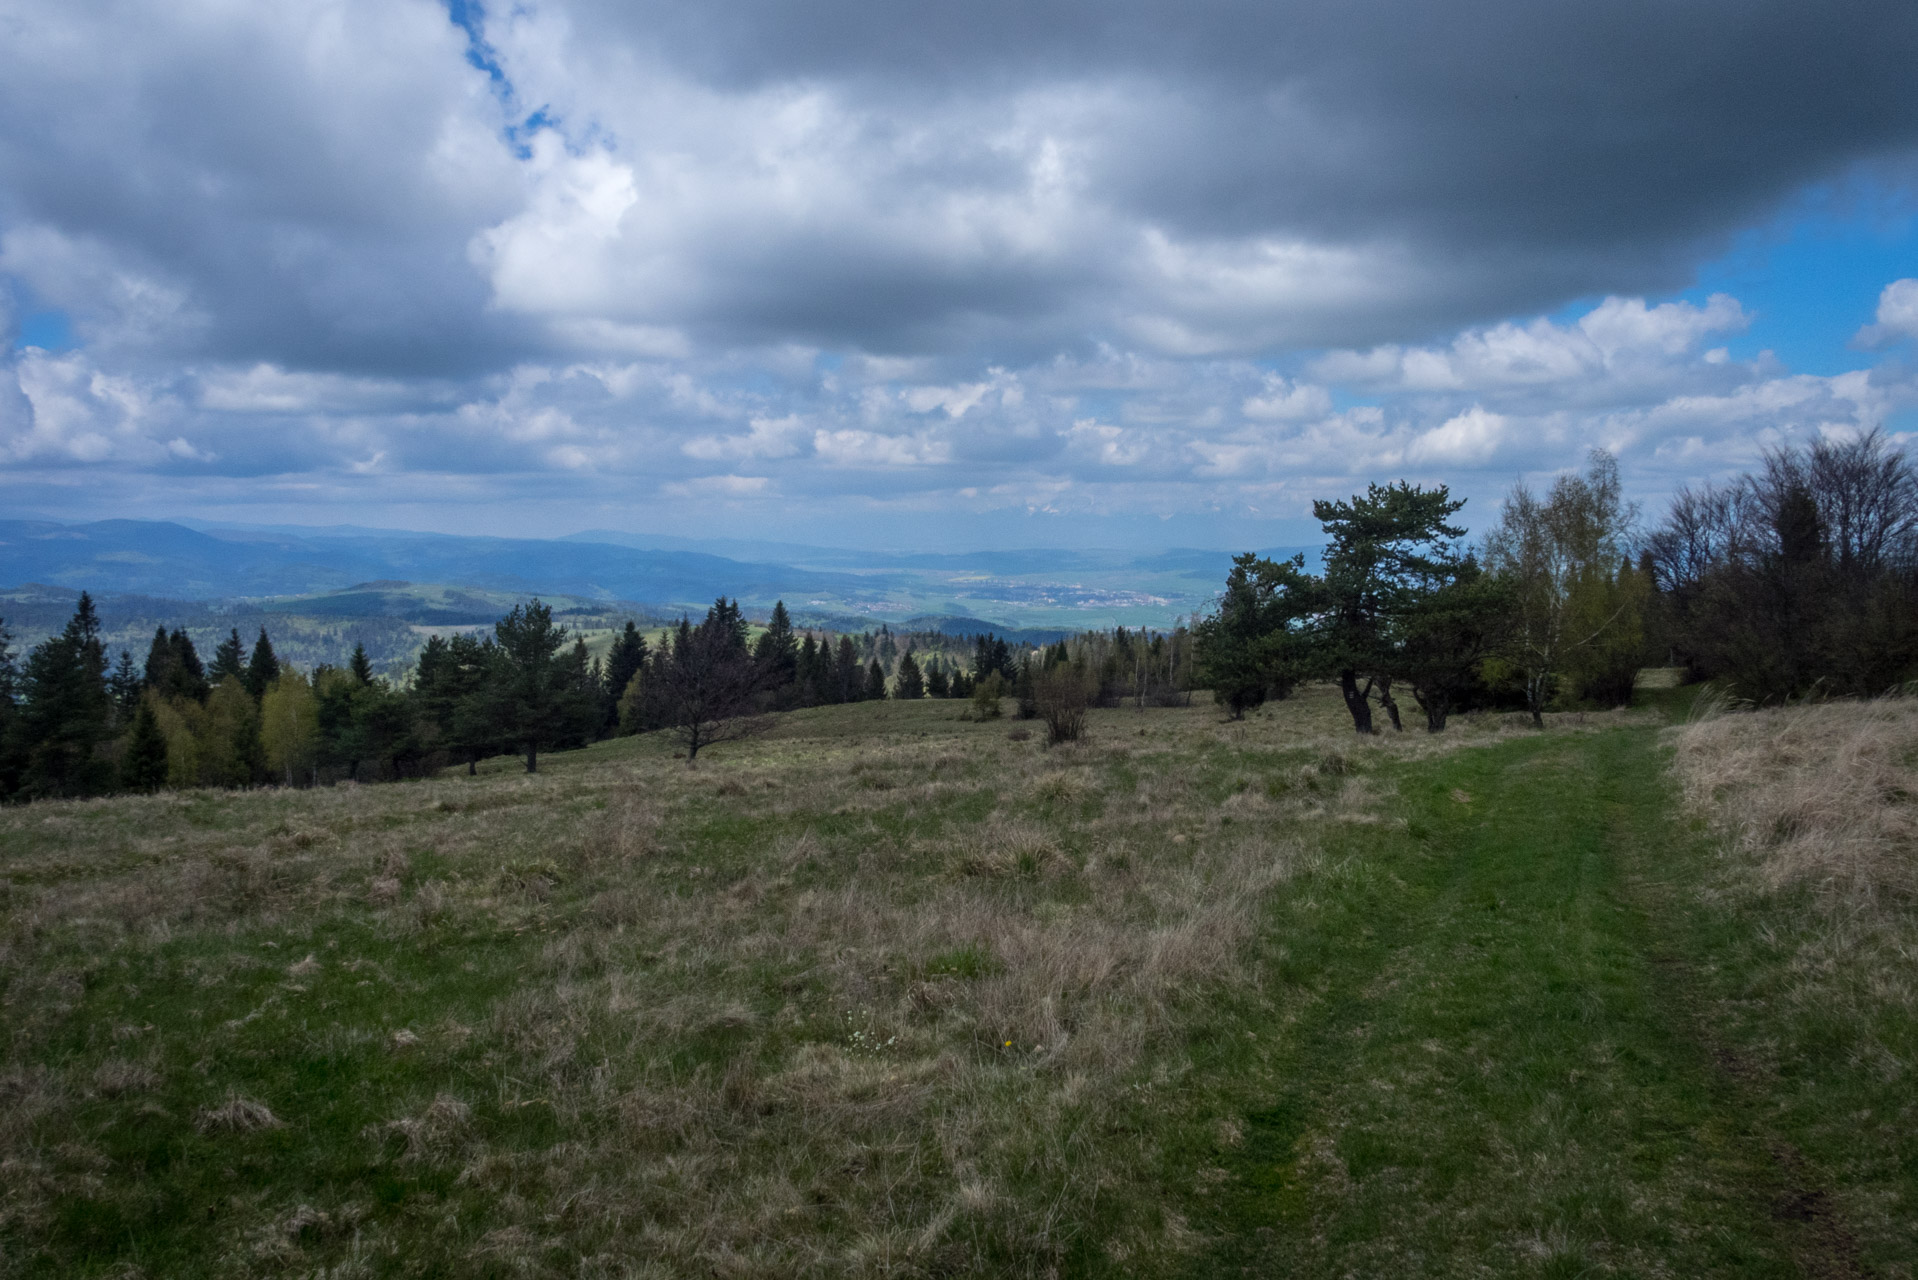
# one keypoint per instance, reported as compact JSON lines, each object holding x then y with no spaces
{"x":532,"y":758}
{"x":1357,"y":700}
{"x":1435,"y":717}
{"x":1391,"y":707}
{"x":472,"y":766}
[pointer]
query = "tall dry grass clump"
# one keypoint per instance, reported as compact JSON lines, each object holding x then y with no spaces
{"x":1824,"y":796}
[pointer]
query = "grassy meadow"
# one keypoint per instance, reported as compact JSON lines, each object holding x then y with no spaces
{"x":891,"y":992}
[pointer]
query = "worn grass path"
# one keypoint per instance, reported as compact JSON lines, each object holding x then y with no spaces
{"x":1485,"y":1058}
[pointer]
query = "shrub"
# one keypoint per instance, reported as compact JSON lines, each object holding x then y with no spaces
{"x":1062,"y":698}
{"x":986,"y":695}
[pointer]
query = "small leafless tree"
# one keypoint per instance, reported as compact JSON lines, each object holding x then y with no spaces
{"x":1800,"y":577}
{"x":1063,"y":698}
{"x":704,"y":692}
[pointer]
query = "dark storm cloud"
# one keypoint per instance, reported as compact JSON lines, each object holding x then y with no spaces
{"x":1559,"y":127}
{"x":309,"y":183}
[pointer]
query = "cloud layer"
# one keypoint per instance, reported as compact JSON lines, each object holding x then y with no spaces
{"x":866,"y":262}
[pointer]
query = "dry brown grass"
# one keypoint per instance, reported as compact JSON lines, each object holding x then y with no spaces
{"x":1824,"y":796}
{"x":884,"y":992}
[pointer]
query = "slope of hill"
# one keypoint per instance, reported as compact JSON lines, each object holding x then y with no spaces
{"x":889,"y":992}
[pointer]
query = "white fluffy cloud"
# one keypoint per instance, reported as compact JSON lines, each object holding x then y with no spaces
{"x":1897,"y":314}
{"x":1076,"y":257}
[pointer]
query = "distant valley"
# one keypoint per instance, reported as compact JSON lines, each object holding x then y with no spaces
{"x":321,"y":591}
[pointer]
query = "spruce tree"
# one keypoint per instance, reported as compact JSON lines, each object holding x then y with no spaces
{"x":173,"y":667}
{"x":937,"y":686}
{"x":777,"y":654}
{"x":875,"y":682}
{"x":339,"y":741}
{"x":159,"y":660}
{"x":910,"y":683}
{"x":143,"y":766}
{"x":808,"y":673}
{"x":67,"y":709}
{"x":123,"y":686}
{"x":581,"y":691}
{"x":847,"y":684}
{"x":263,"y":668}
{"x":361,"y":666}
{"x":228,"y":660}
{"x":626,"y":660}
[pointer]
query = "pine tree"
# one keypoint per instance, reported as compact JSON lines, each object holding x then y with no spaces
{"x":173,"y":667}
{"x":910,"y":684}
{"x":159,"y":660}
{"x":361,"y":666}
{"x":454,"y":692}
{"x":937,"y":685}
{"x":123,"y":686}
{"x":143,"y":765}
{"x":386,"y":726}
{"x":991,"y":654}
{"x":534,"y":710}
{"x":340,"y":742}
{"x":777,"y":654}
{"x":875,"y":682}
{"x":846,"y":684}
{"x":626,"y":660}
{"x":580,"y":692}
{"x":67,"y":709}
{"x":808,"y":673}
{"x":263,"y":668}
{"x":228,"y":660}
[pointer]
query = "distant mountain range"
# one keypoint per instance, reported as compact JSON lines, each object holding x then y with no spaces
{"x":360,"y":573}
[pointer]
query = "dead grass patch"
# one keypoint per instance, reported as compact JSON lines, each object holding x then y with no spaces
{"x":1824,"y":796}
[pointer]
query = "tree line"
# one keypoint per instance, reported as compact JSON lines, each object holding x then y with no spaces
{"x":1799,"y":579}
{"x":72,"y":724}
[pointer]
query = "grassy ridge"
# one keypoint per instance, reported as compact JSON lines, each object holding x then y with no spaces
{"x":892,"y":993}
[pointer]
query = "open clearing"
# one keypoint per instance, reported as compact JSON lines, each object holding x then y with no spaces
{"x":888,"y":992}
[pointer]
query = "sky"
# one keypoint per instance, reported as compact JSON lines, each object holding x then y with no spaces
{"x":1008,"y":273}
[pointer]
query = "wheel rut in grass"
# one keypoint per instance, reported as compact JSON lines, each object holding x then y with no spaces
{"x":1485,"y":1059}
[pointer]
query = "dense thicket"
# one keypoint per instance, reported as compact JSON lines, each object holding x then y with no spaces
{"x":1799,"y":579}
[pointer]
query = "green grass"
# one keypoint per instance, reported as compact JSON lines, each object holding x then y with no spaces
{"x":888,"y":992}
